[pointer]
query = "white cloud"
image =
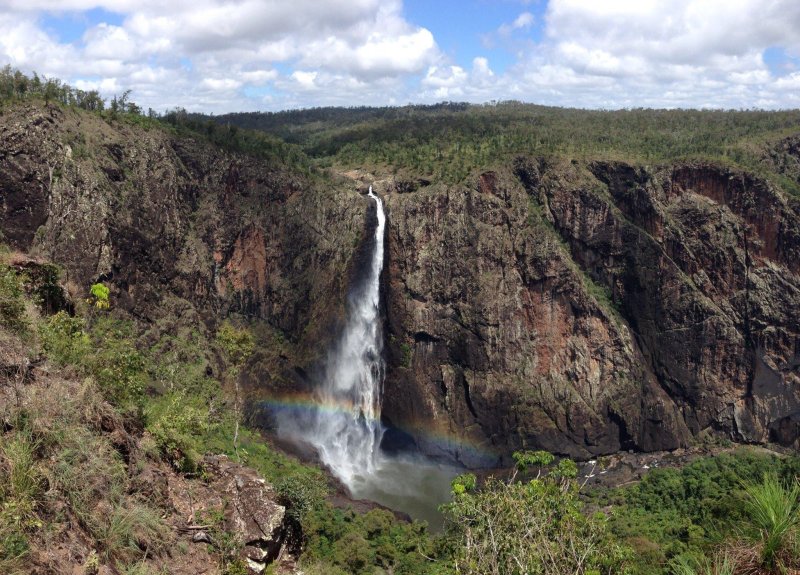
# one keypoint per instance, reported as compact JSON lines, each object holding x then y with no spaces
{"x":104,"y":42}
{"x":454,"y":82}
{"x":683,"y":53}
{"x":259,"y":77}
{"x":222,"y":84}
{"x":305,"y":79}
{"x":224,"y":46}
{"x":522,"y":22}
{"x":208,"y":54}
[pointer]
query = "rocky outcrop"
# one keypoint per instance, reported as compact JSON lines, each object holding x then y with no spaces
{"x":251,"y":513}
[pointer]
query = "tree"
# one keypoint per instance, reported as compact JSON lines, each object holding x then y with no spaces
{"x":90,"y":101}
{"x":100,"y":293}
{"x":52,"y":88}
{"x":237,"y":345}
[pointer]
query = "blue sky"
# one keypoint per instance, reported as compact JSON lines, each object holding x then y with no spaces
{"x":468,"y":29}
{"x":69,"y":27}
{"x":226,"y":55}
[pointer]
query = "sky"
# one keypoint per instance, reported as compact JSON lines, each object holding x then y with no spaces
{"x":220,"y":56}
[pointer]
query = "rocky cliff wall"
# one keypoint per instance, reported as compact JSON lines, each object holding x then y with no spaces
{"x":579,"y":307}
{"x":587,"y":308}
{"x":160,"y":217}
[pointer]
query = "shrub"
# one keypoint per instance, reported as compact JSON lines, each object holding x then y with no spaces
{"x":721,"y":564}
{"x":64,"y":339}
{"x":178,"y":428}
{"x":12,"y":304}
{"x":100,"y":294}
{"x":774,"y":509}
{"x":21,"y":486}
{"x":688,"y":511}
{"x":131,"y":532}
{"x":538,"y":526}
{"x":301,"y":494}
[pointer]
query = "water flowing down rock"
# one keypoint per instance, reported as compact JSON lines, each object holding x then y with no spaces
{"x":347,"y":429}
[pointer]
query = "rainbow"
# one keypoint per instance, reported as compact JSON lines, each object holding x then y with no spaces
{"x":303,"y":405}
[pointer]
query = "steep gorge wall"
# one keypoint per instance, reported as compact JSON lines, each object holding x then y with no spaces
{"x":590,"y":308}
{"x":577,"y":307}
{"x":165,"y":219}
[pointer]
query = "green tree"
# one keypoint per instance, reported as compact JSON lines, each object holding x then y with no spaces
{"x":100,"y":293}
{"x":237,"y":345}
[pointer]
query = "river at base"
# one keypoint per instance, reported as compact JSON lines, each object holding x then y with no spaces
{"x":409,"y":484}
{"x":403,"y":480}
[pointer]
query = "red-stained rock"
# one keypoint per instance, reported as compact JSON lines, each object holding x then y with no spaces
{"x":585,"y":309}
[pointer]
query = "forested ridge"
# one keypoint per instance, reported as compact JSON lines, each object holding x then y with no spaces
{"x":450,"y":140}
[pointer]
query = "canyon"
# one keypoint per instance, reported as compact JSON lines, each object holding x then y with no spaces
{"x":581,"y":306}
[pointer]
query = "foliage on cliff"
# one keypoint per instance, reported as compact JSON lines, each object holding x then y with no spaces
{"x":15,"y":86}
{"x":65,"y":454}
{"x":90,"y":419}
{"x":130,"y":398}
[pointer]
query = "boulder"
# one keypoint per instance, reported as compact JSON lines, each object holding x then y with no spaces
{"x":251,"y":511}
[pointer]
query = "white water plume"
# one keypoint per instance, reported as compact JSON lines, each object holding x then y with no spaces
{"x":348,"y":436}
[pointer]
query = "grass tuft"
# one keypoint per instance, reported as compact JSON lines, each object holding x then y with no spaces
{"x":774,"y":508}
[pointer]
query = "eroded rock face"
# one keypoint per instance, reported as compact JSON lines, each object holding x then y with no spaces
{"x":577,"y":307}
{"x":585,"y":309}
{"x":720,"y":319}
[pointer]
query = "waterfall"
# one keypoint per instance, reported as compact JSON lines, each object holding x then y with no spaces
{"x":347,"y":430}
{"x":344,"y":425}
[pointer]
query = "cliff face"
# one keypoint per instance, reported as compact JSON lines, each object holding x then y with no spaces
{"x":590,"y":308}
{"x":577,"y":307}
{"x":165,"y":218}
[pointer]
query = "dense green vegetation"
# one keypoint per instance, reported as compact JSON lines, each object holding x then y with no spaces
{"x":537,"y":526}
{"x":230,"y":137}
{"x":679,"y":514}
{"x":448,"y":141}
